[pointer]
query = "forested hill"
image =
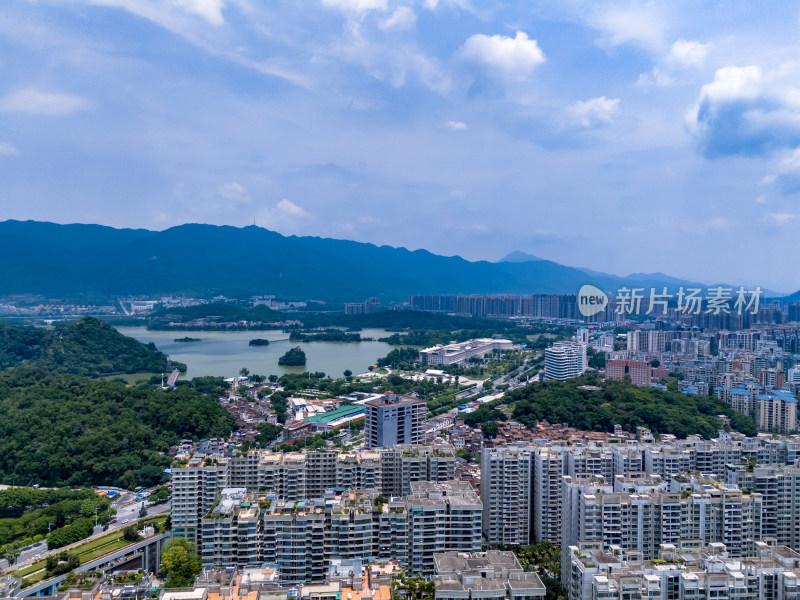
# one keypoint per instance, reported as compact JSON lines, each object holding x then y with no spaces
{"x":88,"y":347}
{"x":618,"y":402}
{"x":68,"y":430}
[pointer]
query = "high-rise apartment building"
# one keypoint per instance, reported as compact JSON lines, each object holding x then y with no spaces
{"x":393,"y":419}
{"x":297,"y":476}
{"x":506,"y":489}
{"x":246,"y":529}
{"x":564,"y":360}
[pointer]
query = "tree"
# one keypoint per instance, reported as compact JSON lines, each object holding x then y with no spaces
{"x":130,"y":534}
{"x":143,"y":512}
{"x":58,"y":564}
{"x":11,"y":552}
{"x":244,"y":371}
{"x":180,"y":562}
{"x":348,"y":373}
{"x":293,"y":358}
{"x":272,"y":378}
{"x":412,"y":588}
{"x":490,"y":429}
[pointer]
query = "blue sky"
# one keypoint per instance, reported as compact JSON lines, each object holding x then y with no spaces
{"x":618,"y":136}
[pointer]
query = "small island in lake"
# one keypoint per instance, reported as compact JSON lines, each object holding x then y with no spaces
{"x":293,"y":358}
{"x":326,"y":335}
{"x":187,"y":339}
{"x":259,"y":342}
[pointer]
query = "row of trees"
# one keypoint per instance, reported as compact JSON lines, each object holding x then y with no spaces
{"x":38,"y":512}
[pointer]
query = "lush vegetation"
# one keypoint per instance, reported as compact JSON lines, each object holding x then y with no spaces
{"x":76,"y":531}
{"x":293,"y":358}
{"x":180,"y":563}
{"x":412,"y":588}
{"x":30,"y":513}
{"x":64,"y":562}
{"x":67,"y":430}
{"x":187,"y":339}
{"x":544,"y":558}
{"x":86,"y":347}
{"x":217,"y":312}
{"x":325,"y":335}
{"x":400,"y":358}
{"x":662,"y":411}
{"x":259,"y":342}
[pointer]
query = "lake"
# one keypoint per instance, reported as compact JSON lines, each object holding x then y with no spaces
{"x":223,"y":353}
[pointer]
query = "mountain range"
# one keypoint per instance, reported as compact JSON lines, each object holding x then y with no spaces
{"x":92,"y":261}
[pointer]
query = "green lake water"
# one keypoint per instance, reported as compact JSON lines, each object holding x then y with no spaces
{"x":223,"y":353}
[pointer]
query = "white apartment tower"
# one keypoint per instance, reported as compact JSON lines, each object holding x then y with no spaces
{"x":565,"y":360}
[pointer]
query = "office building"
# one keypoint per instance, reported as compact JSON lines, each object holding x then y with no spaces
{"x":457,"y":353}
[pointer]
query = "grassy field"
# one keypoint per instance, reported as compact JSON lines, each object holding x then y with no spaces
{"x":87,"y":552}
{"x":134,"y":378}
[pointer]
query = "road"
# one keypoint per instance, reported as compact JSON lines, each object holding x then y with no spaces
{"x":127,"y":513}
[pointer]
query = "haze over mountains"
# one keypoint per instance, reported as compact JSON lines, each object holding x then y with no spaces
{"x":83,"y":261}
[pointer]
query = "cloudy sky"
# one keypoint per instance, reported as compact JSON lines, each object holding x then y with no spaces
{"x":621,"y":136}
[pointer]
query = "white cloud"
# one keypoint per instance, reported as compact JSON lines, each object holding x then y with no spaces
{"x":657,"y":77}
{"x":761,"y":199}
{"x":403,"y":18}
{"x":643,"y":25}
{"x":515,"y":57}
{"x":356,"y":6}
{"x":682,"y":55}
{"x":285,"y":216}
{"x":455,"y":125}
{"x":685,"y":53}
{"x":38,"y":102}
{"x":234,"y":192}
{"x":395,"y":63}
{"x":747,"y":111}
{"x":594,"y":112}
{"x":780,"y":218}
{"x":290,"y":208}
{"x":209,"y":10}
{"x":8,"y":150}
{"x":719,"y":223}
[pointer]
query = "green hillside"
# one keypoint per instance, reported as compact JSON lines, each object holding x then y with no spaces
{"x":60,"y":429}
{"x":88,"y":347}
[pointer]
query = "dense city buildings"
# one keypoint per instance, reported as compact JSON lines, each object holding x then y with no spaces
{"x":296,"y":476}
{"x":246,"y":529}
{"x":685,"y":571}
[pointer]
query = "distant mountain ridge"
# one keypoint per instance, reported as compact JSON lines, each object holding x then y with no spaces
{"x":93,"y":261}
